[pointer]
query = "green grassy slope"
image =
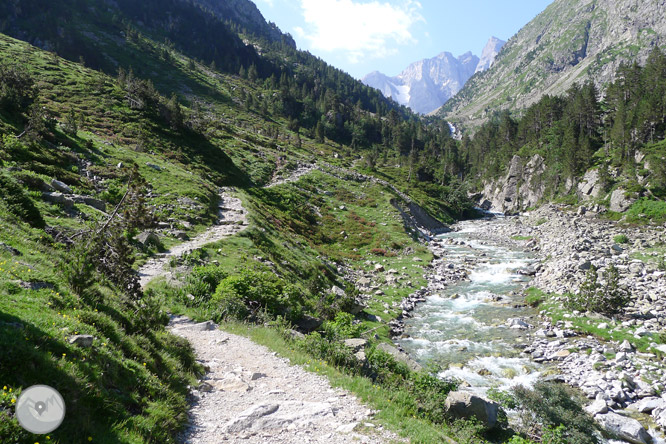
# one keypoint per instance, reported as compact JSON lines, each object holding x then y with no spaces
{"x":130,"y":386}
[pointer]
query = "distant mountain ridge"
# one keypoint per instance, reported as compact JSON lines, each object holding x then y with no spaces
{"x":426,"y":85}
{"x":570,"y":42}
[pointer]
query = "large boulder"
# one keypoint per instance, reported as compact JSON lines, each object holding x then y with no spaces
{"x":61,"y":186}
{"x":467,"y":405}
{"x":400,"y":356}
{"x":624,"y":428}
{"x":148,"y":238}
{"x":619,"y":202}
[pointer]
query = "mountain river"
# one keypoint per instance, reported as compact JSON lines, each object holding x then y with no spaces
{"x":471,"y":330}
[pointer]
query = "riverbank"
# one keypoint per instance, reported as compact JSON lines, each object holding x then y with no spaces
{"x":618,"y":363}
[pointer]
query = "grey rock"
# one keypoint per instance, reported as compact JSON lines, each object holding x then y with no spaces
{"x":355,"y":344}
{"x":181,"y":235}
{"x":624,"y":428}
{"x":58,"y":198}
{"x":202,"y":326}
{"x":148,"y":238}
{"x":84,"y":341}
{"x":61,"y":186}
{"x":308,"y":323}
{"x":153,"y":166}
{"x":278,"y":416}
{"x":626,"y":346}
{"x":599,"y":406}
{"x":647,"y":405}
{"x":619,"y":202}
{"x":400,"y":356}
{"x":468,"y":405}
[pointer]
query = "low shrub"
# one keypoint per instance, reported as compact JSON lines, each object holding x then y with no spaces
{"x":534,"y":297}
{"x":202,"y":282}
{"x":544,"y":409}
{"x":607,"y":298}
{"x":645,"y":209}
{"x":249,"y":292}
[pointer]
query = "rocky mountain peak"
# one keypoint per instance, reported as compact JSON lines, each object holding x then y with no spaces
{"x":489,"y":54}
{"x":427,"y":84}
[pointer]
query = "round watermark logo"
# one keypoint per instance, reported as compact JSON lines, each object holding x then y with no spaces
{"x":40,"y":409}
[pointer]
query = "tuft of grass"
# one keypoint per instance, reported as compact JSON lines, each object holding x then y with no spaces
{"x":522,"y":238}
{"x":534,"y":296}
{"x":621,"y":239}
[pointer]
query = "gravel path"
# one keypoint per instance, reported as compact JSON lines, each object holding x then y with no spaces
{"x":232,"y":218}
{"x":250,"y":395}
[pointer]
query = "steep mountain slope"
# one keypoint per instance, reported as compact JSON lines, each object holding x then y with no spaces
{"x":427,"y":84}
{"x":571,"y":41}
{"x":247,"y":17}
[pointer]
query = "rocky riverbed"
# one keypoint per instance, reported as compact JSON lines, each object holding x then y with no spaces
{"x":621,"y":382}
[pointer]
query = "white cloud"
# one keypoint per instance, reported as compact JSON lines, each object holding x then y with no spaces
{"x":360,"y":30}
{"x":268,"y":2}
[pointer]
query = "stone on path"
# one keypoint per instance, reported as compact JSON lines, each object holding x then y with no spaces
{"x":267,"y":416}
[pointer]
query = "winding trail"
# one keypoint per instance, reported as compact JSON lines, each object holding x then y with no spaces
{"x":250,"y":395}
{"x":232,"y":218}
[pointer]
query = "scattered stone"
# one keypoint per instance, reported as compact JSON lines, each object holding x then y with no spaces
{"x":84,"y":341}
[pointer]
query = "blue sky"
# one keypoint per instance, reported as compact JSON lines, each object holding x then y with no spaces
{"x":360,"y":36}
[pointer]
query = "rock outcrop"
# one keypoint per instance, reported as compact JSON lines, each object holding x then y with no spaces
{"x":521,"y":188}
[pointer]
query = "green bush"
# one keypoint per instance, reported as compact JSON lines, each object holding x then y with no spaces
{"x":383,"y":368}
{"x":333,"y":352}
{"x":342,"y":327}
{"x":608,"y":299}
{"x":17,"y":201}
{"x":545,"y":408}
{"x":534,"y":297}
{"x":430,"y":393}
{"x":258,"y":291}
{"x":17,"y":88}
{"x":202,"y":282}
